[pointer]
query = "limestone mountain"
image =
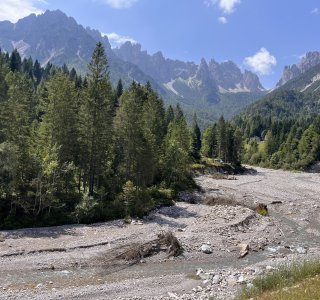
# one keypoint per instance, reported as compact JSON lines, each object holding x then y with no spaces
{"x":55,"y":37}
{"x":210,"y":89}
{"x":298,"y":97}
{"x":308,"y":61}
{"x":225,"y":76}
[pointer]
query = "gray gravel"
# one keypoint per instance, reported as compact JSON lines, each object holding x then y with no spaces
{"x":65,"y":262}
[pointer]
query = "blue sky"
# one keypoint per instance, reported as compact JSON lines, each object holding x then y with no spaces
{"x":260,"y":35}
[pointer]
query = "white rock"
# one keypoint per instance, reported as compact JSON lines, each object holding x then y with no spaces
{"x":231,"y":281}
{"x":250,"y":285}
{"x":216,"y":279}
{"x":206,"y":249}
{"x":270,"y":268}
{"x":241,"y":279}
{"x":199,"y":272}
{"x":199,"y":288}
{"x":173,"y":295}
{"x":301,"y":250}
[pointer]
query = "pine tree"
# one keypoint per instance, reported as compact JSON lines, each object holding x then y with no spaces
{"x":15,"y":61}
{"x":97,"y":120}
{"x":221,"y":139}
{"x":209,"y":145}
{"x":196,"y":139}
{"x":18,"y":118}
{"x":169,"y":115}
{"x":61,"y":118}
{"x":37,"y":72}
{"x":153,"y":116}
{"x":137,"y":159}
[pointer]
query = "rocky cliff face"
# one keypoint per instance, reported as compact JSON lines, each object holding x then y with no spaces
{"x":310,"y":60}
{"x":229,"y":78}
{"x":162,"y":69}
{"x":55,"y":37}
{"x":226,"y":75}
{"x":51,"y":36}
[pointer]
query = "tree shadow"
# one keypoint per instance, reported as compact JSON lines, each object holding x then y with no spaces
{"x":40,"y":232}
{"x":169,"y":215}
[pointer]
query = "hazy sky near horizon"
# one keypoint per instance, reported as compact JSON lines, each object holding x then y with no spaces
{"x":259,"y":35}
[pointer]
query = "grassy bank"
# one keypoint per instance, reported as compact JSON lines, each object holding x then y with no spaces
{"x":296,"y":281}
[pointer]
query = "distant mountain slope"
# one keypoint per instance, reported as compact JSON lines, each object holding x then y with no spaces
{"x":210,"y":89}
{"x":298,"y":97}
{"x":310,"y":60}
{"x":55,"y":37}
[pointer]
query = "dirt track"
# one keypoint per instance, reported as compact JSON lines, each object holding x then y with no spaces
{"x":69,"y":262}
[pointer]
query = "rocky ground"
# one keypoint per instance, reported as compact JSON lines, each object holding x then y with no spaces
{"x":78,"y":262}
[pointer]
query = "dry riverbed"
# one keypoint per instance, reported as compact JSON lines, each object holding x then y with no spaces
{"x":76,"y":262}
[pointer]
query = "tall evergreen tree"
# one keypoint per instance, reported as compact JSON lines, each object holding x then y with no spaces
{"x":97,"y":119}
{"x":37,"y":72}
{"x":15,"y":61}
{"x":196,"y":139}
{"x":136,"y":151}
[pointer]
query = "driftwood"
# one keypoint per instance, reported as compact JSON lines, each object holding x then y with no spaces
{"x":165,"y":242}
{"x":125,"y":256}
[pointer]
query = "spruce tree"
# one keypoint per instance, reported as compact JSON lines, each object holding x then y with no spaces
{"x":137,"y":159}
{"x":97,"y":120}
{"x":15,"y":61}
{"x":196,"y":139}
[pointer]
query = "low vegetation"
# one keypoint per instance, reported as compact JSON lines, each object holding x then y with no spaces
{"x":296,"y":281}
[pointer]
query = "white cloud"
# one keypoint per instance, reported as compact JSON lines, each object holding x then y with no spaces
{"x":120,"y":3}
{"x":117,"y":39}
{"x":315,"y":11}
{"x":227,"y":6}
{"x":222,"y":20}
{"x":262,"y":62}
{"x":13,"y":10}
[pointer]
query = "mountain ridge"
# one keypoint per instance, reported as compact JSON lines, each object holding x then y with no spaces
{"x":206,"y":88}
{"x":309,"y":60}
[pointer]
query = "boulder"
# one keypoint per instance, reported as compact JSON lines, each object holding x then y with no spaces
{"x":206,"y":249}
{"x":244,"y":249}
{"x":301,"y":250}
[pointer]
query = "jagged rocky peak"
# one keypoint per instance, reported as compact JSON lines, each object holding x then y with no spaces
{"x":51,"y":17}
{"x":289,"y":73}
{"x":158,"y":56}
{"x":157,"y":66}
{"x":51,"y":36}
{"x":229,"y":77}
{"x":99,"y":37}
{"x":129,"y":51}
{"x":231,"y":74}
{"x":251,"y":82}
{"x":308,"y":61}
{"x":203,"y":73}
{"x":96,"y":34}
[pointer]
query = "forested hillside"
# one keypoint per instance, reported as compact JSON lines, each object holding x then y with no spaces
{"x":283,"y":129}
